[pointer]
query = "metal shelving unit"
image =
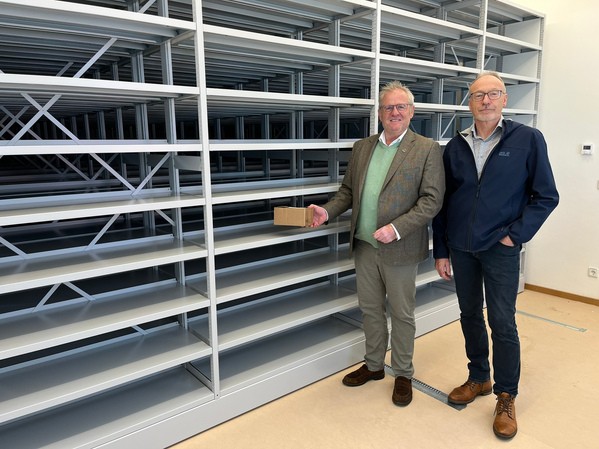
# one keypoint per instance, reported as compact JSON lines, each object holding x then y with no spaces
{"x":145,"y":294}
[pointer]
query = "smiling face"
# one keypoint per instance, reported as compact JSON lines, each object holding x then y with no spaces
{"x":395,"y":122}
{"x":487,"y":111}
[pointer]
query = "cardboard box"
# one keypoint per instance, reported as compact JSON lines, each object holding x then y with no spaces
{"x":293,"y":216}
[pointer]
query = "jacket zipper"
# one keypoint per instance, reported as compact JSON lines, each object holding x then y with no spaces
{"x":477,"y":195}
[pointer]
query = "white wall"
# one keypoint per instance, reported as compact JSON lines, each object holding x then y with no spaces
{"x":559,"y":255}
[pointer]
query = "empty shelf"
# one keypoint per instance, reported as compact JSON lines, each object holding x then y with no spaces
{"x":249,"y":322}
{"x":32,"y":210}
{"x":257,"y":362}
{"x":54,"y":382}
{"x":47,"y":270}
{"x":109,"y":416}
{"x":259,"y":277}
{"x":59,"y":325}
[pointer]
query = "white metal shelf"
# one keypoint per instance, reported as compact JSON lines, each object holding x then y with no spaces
{"x":269,"y":274}
{"x":278,"y":50}
{"x":60,"y":325}
{"x":500,"y":43}
{"x":106,"y":418}
{"x":423,"y":68}
{"x":84,"y":88}
{"x":231,"y":193}
{"x":90,"y":20}
{"x":273,"y":102}
{"x":32,"y":210}
{"x":55,"y":382}
{"x":46,"y":270}
{"x":420,"y":28}
{"x":140,"y":146}
{"x":252,"y":364}
{"x":508,"y":10}
{"x":248,"y":323}
{"x":277,"y":144}
{"x":256,"y":235}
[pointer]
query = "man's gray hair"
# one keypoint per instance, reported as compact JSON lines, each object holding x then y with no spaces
{"x":395,"y":85}
{"x":489,"y":73}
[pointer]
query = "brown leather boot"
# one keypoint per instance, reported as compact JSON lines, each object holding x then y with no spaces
{"x":361,"y":376}
{"x":469,"y":391}
{"x":505,"y":425}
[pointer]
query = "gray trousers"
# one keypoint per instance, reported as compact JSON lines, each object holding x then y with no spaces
{"x":386,"y":288}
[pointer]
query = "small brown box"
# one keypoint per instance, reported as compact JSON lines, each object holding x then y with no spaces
{"x":293,"y":216}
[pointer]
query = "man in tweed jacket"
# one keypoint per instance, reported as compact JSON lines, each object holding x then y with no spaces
{"x":394,"y":185}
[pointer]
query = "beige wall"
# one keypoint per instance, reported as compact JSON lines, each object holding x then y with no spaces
{"x":568,"y":243}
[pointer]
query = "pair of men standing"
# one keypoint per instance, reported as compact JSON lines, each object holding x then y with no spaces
{"x":487,"y":194}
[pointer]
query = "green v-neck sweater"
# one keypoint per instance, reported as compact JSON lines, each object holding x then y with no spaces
{"x":375,"y":177}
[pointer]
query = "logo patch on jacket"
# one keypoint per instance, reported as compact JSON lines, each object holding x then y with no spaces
{"x":504,"y":154}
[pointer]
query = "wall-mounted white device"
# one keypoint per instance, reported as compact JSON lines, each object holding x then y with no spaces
{"x":586,"y":149}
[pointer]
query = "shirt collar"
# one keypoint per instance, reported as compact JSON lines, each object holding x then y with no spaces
{"x":471,"y":131}
{"x":396,"y":141}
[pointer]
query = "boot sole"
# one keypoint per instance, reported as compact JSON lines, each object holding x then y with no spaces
{"x":482,"y":393}
{"x":505,"y":437}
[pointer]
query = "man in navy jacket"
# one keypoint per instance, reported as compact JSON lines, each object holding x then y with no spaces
{"x":499,"y":191}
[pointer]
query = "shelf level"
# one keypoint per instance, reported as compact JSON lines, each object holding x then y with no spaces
{"x":106,"y":418}
{"x":253,"y":364}
{"x":53,"y":269}
{"x":34,"y":210}
{"x":56,"y":382}
{"x":269,"y":274}
{"x":55,"y":326}
{"x":250,"y":322}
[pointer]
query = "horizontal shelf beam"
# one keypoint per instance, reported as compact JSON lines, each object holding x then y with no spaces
{"x":48,"y":209}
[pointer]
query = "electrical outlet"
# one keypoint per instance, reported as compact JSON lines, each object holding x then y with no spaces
{"x":593,"y":272}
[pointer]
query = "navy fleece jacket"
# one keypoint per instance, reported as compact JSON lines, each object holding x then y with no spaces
{"x":514,"y":195}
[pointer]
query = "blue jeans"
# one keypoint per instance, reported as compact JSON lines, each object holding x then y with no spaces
{"x":498,"y":270}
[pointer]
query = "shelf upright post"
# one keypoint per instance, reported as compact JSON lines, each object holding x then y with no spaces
{"x":482,"y":40}
{"x":333,"y":125}
{"x":265,"y":131}
{"x":142,"y":128}
{"x":376,"y":67}
{"x":438,"y":84}
{"x":200,"y":67}
{"x":240,"y":134}
{"x":119,"y":128}
{"x":539,"y":64}
{"x":296,"y":125}
{"x":166,"y":61}
{"x":100,"y":116}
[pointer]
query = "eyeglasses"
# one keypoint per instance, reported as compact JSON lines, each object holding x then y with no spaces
{"x":492,"y":94}
{"x":400,"y":107}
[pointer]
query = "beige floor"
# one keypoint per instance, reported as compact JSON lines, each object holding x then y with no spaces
{"x":558,"y":404}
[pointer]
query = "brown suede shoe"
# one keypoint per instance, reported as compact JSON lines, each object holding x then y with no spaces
{"x":361,"y":376}
{"x":402,"y":392}
{"x":505,"y":425}
{"x":469,"y":391}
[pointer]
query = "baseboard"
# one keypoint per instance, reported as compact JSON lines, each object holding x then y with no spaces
{"x":560,"y":294}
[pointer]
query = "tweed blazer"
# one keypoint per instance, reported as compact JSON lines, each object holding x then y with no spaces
{"x":411,"y":195}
